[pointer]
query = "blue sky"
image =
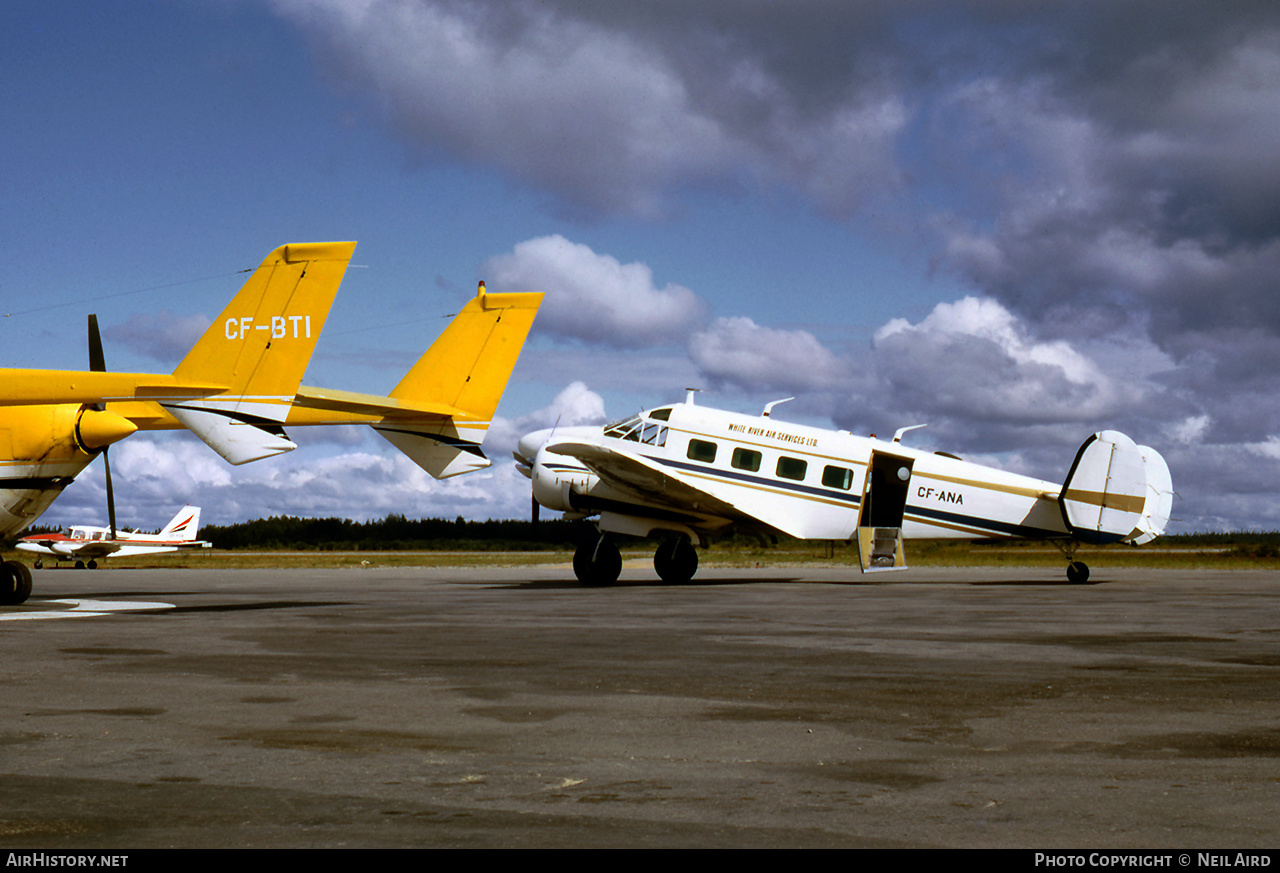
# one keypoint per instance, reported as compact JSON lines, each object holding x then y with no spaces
{"x":1020,"y":223}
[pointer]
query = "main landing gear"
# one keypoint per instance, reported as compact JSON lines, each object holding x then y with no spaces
{"x":15,"y":583}
{"x":597,"y":561}
{"x":676,"y":561}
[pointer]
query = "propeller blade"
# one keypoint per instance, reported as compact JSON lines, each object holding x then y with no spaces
{"x":97,"y":363}
{"x":111,"y":497}
{"x":535,"y":510}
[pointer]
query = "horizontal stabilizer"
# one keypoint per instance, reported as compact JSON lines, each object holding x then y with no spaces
{"x":240,"y":439}
{"x":1105,"y":494}
{"x":438,"y":449}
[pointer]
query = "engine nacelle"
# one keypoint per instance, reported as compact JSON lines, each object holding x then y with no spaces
{"x":61,"y":432}
{"x":557,"y":478}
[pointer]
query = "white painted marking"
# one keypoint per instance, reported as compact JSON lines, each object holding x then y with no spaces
{"x":83,"y":609}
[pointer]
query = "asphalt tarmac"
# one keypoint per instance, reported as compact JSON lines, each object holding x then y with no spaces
{"x":764,"y":707}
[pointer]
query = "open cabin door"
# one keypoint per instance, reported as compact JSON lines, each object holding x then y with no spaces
{"x":884,"y":502}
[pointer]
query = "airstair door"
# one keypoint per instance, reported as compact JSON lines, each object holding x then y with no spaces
{"x":884,"y":502}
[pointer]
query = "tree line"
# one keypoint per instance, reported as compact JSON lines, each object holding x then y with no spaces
{"x":393,"y":533}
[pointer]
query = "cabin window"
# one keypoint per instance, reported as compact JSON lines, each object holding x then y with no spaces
{"x":701,"y":450}
{"x":837,"y":477}
{"x":792,"y":468}
{"x":746,"y":459}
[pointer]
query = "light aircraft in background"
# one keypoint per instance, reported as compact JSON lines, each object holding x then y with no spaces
{"x":687,"y":472}
{"x":85,"y":544}
{"x":239,"y":387}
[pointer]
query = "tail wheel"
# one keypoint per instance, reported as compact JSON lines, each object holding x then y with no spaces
{"x":676,"y":561}
{"x":1077,"y":572}
{"x":15,"y":583}
{"x":597,"y":563}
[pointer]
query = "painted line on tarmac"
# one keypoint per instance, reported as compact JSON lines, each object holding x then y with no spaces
{"x":82,"y":609}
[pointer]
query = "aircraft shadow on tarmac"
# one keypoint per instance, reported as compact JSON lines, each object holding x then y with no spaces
{"x":1039,"y":583}
{"x":571,"y":583}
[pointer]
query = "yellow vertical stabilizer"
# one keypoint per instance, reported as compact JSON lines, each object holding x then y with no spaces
{"x":263,"y":340}
{"x":259,"y":347}
{"x":469,"y":365}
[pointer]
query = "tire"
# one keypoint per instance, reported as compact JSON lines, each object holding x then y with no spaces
{"x":597,"y":564}
{"x":676,"y":561}
{"x":15,"y":583}
{"x":1077,"y":572}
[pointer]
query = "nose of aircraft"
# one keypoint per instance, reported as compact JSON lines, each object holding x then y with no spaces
{"x":530,"y":443}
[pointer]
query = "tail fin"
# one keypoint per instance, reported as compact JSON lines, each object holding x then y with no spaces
{"x":184,"y":525}
{"x":1117,"y":491}
{"x":259,"y":347}
{"x":466,"y":368}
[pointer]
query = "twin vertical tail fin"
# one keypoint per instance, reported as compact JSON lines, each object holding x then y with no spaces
{"x":1117,"y":491}
{"x":466,"y":369}
{"x":259,"y":348}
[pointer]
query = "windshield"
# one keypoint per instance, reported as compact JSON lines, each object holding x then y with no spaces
{"x":639,"y":429}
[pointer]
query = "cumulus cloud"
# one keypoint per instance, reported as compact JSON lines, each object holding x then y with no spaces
{"x":972,"y":357}
{"x":154,"y":475}
{"x":576,"y":404}
{"x":738,"y":352}
{"x":595,"y":298}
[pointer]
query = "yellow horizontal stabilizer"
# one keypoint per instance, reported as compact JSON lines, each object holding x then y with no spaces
{"x":371,"y":405}
{"x":28,"y":387}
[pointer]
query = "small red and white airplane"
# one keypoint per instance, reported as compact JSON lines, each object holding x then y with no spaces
{"x":85,"y":544}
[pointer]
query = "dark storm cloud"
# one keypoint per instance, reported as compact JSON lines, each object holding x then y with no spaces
{"x":616,"y":111}
{"x":1084,"y":153}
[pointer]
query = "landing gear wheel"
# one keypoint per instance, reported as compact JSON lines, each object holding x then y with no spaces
{"x":92,"y":565}
{"x":15,"y":583}
{"x":1077,"y":572}
{"x":676,"y":561}
{"x":39,"y":565}
{"x":597,"y":563}
{"x":79,"y":565}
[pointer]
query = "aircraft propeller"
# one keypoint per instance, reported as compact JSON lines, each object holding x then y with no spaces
{"x":97,"y":364}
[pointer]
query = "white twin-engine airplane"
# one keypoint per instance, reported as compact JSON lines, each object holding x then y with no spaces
{"x":85,"y":544}
{"x":687,"y":472}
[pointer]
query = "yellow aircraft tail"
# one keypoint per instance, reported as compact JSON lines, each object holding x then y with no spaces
{"x":259,"y":348}
{"x":466,"y":368}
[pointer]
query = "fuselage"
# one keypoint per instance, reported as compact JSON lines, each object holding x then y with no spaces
{"x":806,"y":481}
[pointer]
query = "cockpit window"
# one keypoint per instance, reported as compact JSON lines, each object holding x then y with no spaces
{"x":623,"y":430}
{"x":663,"y":414}
{"x":638,"y":429}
